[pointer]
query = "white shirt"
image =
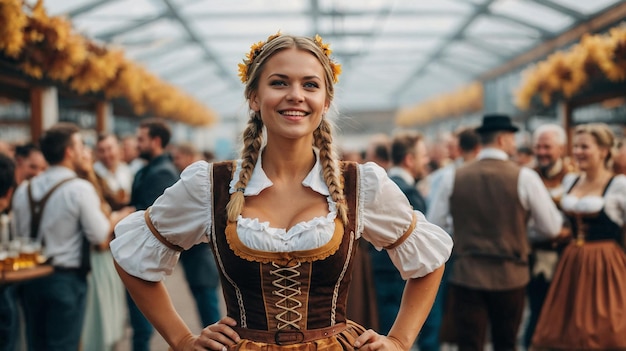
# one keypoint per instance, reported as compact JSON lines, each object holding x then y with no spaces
{"x":531,"y":191}
{"x":72,"y":211}
{"x":183,"y":216}
{"x":122,"y":178}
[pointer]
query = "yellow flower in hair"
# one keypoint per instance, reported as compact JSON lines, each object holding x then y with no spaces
{"x":257,"y":48}
{"x":325,"y":47}
{"x":243,"y":72}
{"x":336,"y":71}
{"x":336,"y":68}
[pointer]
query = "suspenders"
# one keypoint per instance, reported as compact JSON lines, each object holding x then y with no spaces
{"x":36,"y":210}
{"x":37,"y":207}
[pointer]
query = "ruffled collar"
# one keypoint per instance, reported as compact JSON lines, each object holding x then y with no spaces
{"x":259,"y":180}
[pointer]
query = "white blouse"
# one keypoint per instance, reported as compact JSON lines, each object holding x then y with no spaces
{"x":183,"y":215}
{"x":613,"y":202}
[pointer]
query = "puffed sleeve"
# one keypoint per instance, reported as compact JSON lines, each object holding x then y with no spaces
{"x":387,"y":220}
{"x":182,"y":216}
{"x":615,"y":200}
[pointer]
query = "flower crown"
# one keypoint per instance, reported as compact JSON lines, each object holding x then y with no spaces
{"x":257,"y":48}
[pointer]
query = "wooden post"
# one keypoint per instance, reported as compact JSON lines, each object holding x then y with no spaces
{"x":103,"y":112}
{"x":565,"y":116}
{"x":44,"y":110}
{"x":36,"y":114}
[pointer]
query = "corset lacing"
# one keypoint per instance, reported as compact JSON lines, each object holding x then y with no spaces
{"x":288,"y":288}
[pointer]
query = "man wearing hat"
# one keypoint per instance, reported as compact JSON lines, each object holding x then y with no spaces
{"x":489,"y":202}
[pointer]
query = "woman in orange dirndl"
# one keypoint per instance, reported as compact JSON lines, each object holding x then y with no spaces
{"x":586,"y":306}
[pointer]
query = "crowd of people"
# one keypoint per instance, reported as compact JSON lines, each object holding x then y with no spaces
{"x":81,"y":192}
{"x":457,"y":234}
{"x":525,"y":231}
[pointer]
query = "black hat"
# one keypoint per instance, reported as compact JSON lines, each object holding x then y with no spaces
{"x":494,"y":123}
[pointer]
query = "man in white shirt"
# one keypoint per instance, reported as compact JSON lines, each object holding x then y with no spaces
{"x":70,"y":220}
{"x":490,"y":201}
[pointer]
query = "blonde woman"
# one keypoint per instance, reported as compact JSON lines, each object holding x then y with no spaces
{"x":585,"y":308}
{"x":284,"y":223}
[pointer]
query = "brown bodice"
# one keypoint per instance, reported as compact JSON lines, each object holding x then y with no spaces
{"x":283,"y":290}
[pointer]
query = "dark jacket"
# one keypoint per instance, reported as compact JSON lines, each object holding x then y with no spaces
{"x":415,"y":198}
{"x":152,"y":180}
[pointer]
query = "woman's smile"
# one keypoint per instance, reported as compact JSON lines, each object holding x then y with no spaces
{"x":293,"y":115}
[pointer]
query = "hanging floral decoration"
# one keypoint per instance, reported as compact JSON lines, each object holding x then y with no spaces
{"x":466,"y":100}
{"x":566,"y":73}
{"x":13,"y":21}
{"x":48,"y":47}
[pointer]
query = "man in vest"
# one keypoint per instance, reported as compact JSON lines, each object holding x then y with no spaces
{"x":62,"y":212}
{"x":490,"y":201}
{"x":549,"y":142}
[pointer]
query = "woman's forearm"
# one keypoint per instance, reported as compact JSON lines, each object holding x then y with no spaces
{"x":417,"y":300}
{"x":154,"y":302}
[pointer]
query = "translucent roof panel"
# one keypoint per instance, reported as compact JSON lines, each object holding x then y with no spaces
{"x":394,"y":52}
{"x":532,"y":14}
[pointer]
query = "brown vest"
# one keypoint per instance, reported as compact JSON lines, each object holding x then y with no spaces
{"x":490,"y":244}
{"x":287,"y":290}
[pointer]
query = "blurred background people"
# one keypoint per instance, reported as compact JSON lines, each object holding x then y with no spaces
{"x":29,"y":162}
{"x":105,"y":313}
{"x":8,"y":304}
{"x":524,"y":156}
{"x":198,"y":262}
{"x":61,"y":212}
{"x":130,"y":154}
{"x":7,"y":149}
{"x":184,"y":154}
{"x":409,"y":160}
{"x":549,"y":142}
{"x":7,"y":180}
{"x":490,"y":201}
{"x":153,"y":136}
{"x":378,"y":150}
{"x":619,"y":161}
{"x":116,"y":174}
{"x":468,"y":143}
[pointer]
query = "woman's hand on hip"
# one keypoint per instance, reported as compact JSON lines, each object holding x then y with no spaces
{"x":218,"y":336}
{"x":372,"y":341}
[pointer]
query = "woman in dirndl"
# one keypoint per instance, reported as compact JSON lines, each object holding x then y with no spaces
{"x":586,"y":305}
{"x":284,"y":222}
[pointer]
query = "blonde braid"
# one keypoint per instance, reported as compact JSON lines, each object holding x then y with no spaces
{"x":252,"y":139}
{"x":323,"y":141}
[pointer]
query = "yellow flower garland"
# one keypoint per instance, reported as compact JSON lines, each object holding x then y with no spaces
{"x":566,"y":73}
{"x":47,"y":46}
{"x":13,"y":21}
{"x":467,"y":99}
